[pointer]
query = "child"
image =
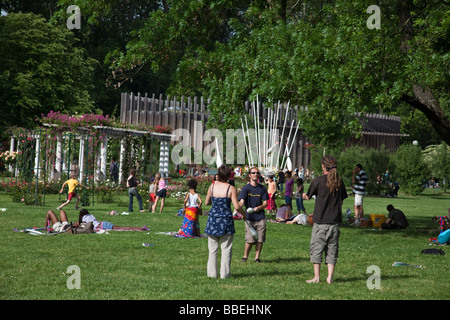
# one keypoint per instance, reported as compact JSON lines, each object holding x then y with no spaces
{"x":298,"y":196}
{"x":271,"y":190}
{"x":192,"y":207}
{"x":161,"y":194}
{"x":152,"y":194}
{"x":72,"y":183}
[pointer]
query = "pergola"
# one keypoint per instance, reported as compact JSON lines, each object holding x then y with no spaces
{"x":65,"y":135}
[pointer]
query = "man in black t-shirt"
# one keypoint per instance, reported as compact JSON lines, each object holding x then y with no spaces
{"x":396,"y":219}
{"x":329,"y":192}
{"x":254,"y":197}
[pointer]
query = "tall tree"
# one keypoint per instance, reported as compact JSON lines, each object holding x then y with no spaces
{"x":41,"y":69}
{"x":322,"y":55}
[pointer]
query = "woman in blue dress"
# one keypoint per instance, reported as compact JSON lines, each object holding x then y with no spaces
{"x":220,"y":224}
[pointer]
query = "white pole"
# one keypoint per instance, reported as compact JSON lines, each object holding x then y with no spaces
{"x":256,"y":132}
{"x":259,"y":132}
{"x":287,"y":143}
{"x":264,"y":144}
{"x":293,"y":140}
{"x":274,"y":136}
{"x":282,"y":136}
{"x":245,"y":141}
{"x":249,"y":143}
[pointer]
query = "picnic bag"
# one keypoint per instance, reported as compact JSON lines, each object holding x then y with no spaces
{"x":84,"y":228}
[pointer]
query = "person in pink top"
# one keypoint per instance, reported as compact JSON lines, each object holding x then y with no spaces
{"x":289,"y":188}
{"x":162,"y":191}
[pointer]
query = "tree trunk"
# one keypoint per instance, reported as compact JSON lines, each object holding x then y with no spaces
{"x":425,"y":102}
{"x":423,"y":99}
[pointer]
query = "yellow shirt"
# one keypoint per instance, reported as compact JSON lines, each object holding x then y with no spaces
{"x":72,"y":183}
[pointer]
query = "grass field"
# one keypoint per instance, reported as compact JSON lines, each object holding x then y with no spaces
{"x":117,"y":266}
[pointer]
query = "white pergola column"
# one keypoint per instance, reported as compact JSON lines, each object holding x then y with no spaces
{"x":58,"y":159}
{"x":81,"y":158}
{"x":11,"y":150}
{"x":103,"y":157}
{"x":164,"y":158}
{"x":37,"y":170}
{"x":121,"y":157}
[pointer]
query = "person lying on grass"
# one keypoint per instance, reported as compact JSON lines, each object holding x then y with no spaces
{"x":62,"y":224}
{"x":85,"y":217}
{"x":59,"y":225}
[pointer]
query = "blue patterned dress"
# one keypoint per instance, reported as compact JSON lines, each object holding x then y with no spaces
{"x":220,"y":219}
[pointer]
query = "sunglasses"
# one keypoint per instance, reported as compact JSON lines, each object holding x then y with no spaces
{"x":254,"y":172}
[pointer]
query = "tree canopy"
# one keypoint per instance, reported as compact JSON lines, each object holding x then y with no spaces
{"x":41,"y":70}
{"x":320,"y":55}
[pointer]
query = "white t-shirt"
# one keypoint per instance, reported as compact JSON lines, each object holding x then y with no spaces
{"x":88,"y":218}
{"x":192,"y":203}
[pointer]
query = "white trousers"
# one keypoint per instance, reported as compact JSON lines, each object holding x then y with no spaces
{"x":226,"y":244}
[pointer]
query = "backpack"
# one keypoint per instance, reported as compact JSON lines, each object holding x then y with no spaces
{"x":115,"y":168}
{"x":84,"y":228}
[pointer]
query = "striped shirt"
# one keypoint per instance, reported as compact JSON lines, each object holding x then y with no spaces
{"x":360,"y":183}
{"x":161,"y":184}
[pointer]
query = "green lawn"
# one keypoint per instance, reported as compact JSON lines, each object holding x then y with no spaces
{"x":117,"y":266}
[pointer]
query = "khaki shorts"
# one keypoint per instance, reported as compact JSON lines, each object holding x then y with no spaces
{"x":260,"y":227}
{"x":359,"y":199}
{"x":59,"y":226}
{"x":324,"y":240}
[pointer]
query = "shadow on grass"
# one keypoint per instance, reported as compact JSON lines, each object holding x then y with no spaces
{"x":364,"y":278}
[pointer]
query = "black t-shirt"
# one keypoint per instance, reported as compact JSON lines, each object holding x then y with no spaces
{"x":399,"y":218}
{"x":281,"y":177}
{"x":254,"y":197}
{"x":328,"y":206}
{"x":132,"y":182}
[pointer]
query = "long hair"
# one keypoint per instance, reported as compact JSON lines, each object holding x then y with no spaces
{"x":333,"y":179}
{"x":83,"y":212}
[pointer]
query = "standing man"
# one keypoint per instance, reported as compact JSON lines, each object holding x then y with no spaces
{"x":255,"y":197}
{"x":359,"y":181}
{"x":330,"y":193}
{"x":114,"y":170}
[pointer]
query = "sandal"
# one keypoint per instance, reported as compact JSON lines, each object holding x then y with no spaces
{"x":257,"y":260}
{"x":244,"y":260}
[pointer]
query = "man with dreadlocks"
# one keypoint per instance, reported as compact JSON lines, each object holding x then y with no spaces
{"x":327,"y":217}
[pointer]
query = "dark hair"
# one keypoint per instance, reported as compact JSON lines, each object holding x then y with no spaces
{"x":390,"y":207}
{"x":133,"y":172}
{"x":299,"y":181}
{"x":359,"y":166}
{"x":192,"y":184}
{"x":223,"y":173}
{"x":83,"y":212}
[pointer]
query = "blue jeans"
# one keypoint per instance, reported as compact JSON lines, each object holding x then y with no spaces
{"x":300,"y":206}
{"x":133,"y":192}
{"x":280,"y":186}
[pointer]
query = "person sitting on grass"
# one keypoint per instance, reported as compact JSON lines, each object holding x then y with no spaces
{"x":72,"y":183}
{"x":284,"y":212}
{"x":85,"y":217}
{"x":396,"y":219}
{"x":192,"y":207}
